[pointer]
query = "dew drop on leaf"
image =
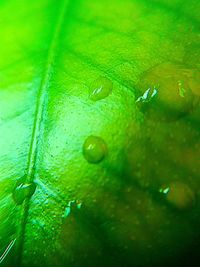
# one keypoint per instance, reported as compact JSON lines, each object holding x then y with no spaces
{"x":23,"y":191}
{"x":179,"y":195}
{"x":100,"y":88}
{"x":94,"y":149}
{"x":166,"y":92}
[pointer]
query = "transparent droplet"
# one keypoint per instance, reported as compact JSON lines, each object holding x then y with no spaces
{"x":23,"y":191}
{"x":166,"y":92}
{"x":179,"y":195}
{"x":100,"y":88}
{"x":94,"y":149}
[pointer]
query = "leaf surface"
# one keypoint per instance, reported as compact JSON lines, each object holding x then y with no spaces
{"x":52,"y":54}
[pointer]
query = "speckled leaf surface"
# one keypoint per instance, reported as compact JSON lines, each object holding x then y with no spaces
{"x":102,"y":208}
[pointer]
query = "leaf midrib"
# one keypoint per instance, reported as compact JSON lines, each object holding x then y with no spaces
{"x":38,"y":120}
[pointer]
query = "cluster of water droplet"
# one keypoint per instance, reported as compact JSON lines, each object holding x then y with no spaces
{"x":94,"y":147}
{"x":167,"y":93}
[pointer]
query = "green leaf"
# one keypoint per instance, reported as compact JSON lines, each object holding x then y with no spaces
{"x":82,"y":164}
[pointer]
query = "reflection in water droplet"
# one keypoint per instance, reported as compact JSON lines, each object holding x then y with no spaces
{"x":94,"y":149}
{"x":148,"y":95}
{"x":100,"y":88}
{"x":72,"y":206}
{"x":179,"y":195}
{"x":173,"y":87}
{"x":182,"y":90}
{"x":164,"y":190}
{"x":23,"y":191}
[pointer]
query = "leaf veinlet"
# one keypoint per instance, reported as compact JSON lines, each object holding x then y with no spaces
{"x":39,"y":115}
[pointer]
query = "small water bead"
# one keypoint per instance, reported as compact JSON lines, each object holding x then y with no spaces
{"x":166,"y":92}
{"x":179,"y":195}
{"x":23,"y":191}
{"x":100,"y":88}
{"x":94,"y":149}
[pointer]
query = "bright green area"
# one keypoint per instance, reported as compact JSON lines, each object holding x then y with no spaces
{"x":51,"y":53}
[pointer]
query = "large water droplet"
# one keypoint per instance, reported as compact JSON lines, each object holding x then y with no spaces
{"x":100,"y":88}
{"x":94,"y":149}
{"x":23,"y":191}
{"x":166,"y":92}
{"x":179,"y":195}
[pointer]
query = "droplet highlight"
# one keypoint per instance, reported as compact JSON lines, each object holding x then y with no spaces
{"x":94,"y":149}
{"x":7,"y":250}
{"x":23,"y":191}
{"x":100,"y":89}
{"x":179,"y":195}
{"x":72,"y":206}
{"x":148,"y":95}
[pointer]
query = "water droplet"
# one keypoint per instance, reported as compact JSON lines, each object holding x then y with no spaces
{"x":100,"y":88}
{"x":94,"y":149}
{"x":166,"y":92}
{"x":179,"y":195}
{"x":23,"y":191}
